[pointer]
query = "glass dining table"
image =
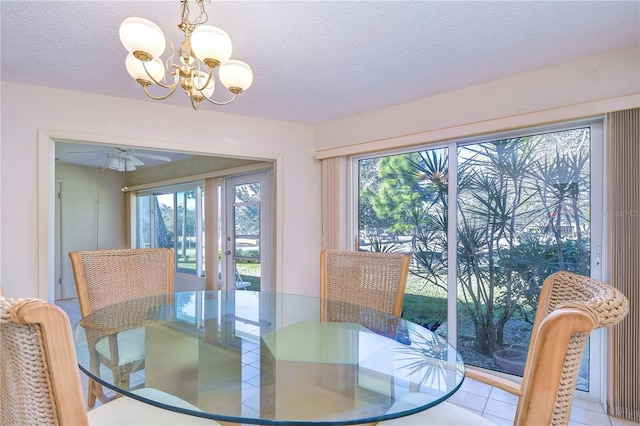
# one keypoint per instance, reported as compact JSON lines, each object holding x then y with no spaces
{"x":271,"y":358}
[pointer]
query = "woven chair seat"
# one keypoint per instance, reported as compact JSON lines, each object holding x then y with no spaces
{"x":130,"y":346}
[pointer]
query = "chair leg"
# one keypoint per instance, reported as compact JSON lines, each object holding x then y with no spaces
{"x":95,"y":391}
{"x":91,"y":394}
{"x":121,"y":377}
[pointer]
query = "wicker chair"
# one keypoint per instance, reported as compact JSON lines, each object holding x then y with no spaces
{"x":370,"y":279}
{"x":40,"y":380}
{"x":570,"y":307}
{"x":105,"y":277}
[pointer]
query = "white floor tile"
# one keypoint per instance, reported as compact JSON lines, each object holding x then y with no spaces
{"x":500,"y":409}
{"x":476,"y":387}
{"x":588,"y":417}
{"x":249,"y":357}
{"x":249,"y":372}
{"x":497,"y":420}
{"x":621,"y":422}
{"x":588,"y":405}
{"x":468,"y":400}
{"x":503,"y":396}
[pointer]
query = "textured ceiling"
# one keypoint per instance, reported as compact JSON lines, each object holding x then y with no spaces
{"x":317,"y":61}
{"x":98,"y":155}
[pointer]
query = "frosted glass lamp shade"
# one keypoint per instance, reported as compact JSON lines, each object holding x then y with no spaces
{"x":235,"y":74}
{"x":142,"y":35}
{"x":209,"y":42}
{"x":114,"y":163}
{"x":137,"y":70}
{"x":129,"y":166}
{"x":198,"y":83}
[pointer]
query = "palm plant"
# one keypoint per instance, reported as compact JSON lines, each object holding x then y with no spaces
{"x":506,"y":245}
{"x":489,"y":208}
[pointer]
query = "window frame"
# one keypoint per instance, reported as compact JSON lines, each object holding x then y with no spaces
{"x":198,"y":188}
{"x":597,"y":341}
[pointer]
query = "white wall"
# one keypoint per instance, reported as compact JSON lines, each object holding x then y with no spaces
{"x":92,"y":214}
{"x":577,"y":89}
{"x":572,"y":90}
{"x":31,"y":113}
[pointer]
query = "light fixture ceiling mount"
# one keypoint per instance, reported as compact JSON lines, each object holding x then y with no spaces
{"x":122,"y":163}
{"x":204,"y":49}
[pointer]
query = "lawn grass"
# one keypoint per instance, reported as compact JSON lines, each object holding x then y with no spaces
{"x":250,"y":272}
{"x":424,"y":304}
{"x":255,"y":282}
{"x":424,"y":310}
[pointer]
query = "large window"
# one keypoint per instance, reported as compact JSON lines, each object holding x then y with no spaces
{"x":523,"y":210}
{"x":173,"y":217}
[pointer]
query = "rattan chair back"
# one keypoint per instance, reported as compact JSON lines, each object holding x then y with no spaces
{"x":569,"y":308}
{"x":39,"y":377}
{"x":40,"y":381}
{"x":371,"y":279}
{"x":106,"y":277}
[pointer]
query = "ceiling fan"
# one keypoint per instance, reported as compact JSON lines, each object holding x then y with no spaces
{"x":124,"y":159}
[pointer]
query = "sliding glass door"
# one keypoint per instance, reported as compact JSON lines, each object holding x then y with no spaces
{"x":524,"y":212}
{"x":526,"y":205}
{"x":172,"y":217}
{"x":175,"y":217}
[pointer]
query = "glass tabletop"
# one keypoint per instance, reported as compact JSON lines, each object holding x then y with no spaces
{"x":267,"y":358}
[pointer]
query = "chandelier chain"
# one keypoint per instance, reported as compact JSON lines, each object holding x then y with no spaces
{"x":188,"y":26}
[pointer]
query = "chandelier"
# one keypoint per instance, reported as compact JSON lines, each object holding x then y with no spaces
{"x":205,"y":48}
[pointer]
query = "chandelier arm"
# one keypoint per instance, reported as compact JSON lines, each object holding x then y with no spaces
{"x":159,"y":83}
{"x":221,"y":103}
{"x":159,"y":98}
{"x":206,"y":83}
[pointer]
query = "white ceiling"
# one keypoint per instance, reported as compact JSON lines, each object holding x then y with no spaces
{"x":98,"y":155}
{"x":317,"y":61}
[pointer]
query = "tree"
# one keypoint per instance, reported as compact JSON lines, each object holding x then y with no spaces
{"x":411,"y":195}
{"x":429,"y":218}
{"x":163,"y":216}
{"x":489,"y":203}
{"x":397,"y":193}
{"x":247,"y":214}
{"x":186,"y":219}
{"x":514,"y":196}
{"x":522,"y":213}
{"x":367,"y":216}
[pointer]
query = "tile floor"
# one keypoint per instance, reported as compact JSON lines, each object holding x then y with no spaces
{"x":492,"y":403}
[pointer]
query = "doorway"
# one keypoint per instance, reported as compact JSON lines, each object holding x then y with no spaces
{"x":47,"y":223}
{"x":246,"y":232}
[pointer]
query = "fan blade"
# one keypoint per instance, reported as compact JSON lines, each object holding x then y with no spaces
{"x":134,"y":160}
{"x":153,"y":156}
{"x":86,"y":152}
